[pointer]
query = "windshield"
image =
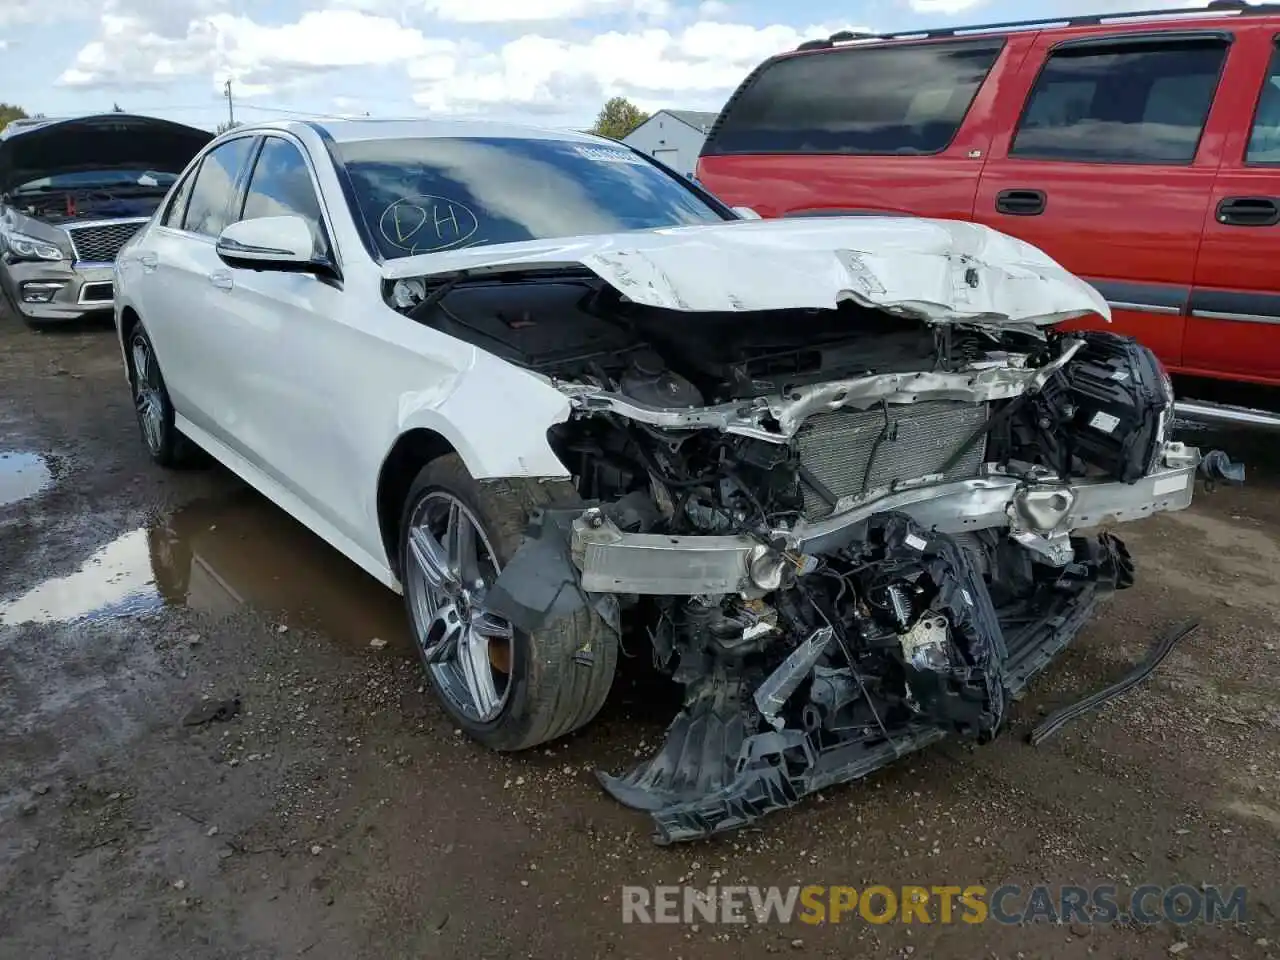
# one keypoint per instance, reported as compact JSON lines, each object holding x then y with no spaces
{"x":427,"y":195}
{"x":99,"y":179}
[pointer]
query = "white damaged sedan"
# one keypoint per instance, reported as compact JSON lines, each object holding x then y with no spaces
{"x":827,"y":473}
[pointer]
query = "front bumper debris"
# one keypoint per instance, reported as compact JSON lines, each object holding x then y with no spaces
{"x":718,"y":769}
{"x":1040,"y":514}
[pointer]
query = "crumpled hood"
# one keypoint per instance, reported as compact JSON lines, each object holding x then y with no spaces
{"x":110,"y":140}
{"x":938,"y":270}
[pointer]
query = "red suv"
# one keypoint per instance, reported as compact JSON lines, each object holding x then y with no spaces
{"x":1140,"y":150}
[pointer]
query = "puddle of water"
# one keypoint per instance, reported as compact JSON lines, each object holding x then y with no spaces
{"x":22,"y":475}
{"x":115,"y":581}
{"x":215,"y":557}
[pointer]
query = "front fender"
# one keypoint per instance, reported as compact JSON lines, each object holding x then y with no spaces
{"x":496,"y":417}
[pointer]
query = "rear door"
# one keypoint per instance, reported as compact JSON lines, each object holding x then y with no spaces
{"x":1109,"y":170}
{"x":188,"y":286}
{"x":1234,"y":329}
{"x":893,"y":128}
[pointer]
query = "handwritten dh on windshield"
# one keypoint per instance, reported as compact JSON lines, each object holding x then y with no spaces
{"x":427,"y":224}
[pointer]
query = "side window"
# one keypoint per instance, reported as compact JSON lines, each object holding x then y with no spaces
{"x":178,"y":202}
{"x":897,"y":100}
{"x":1264,"y":141}
{"x":281,"y":186}
{"x":214,"y":186}
{"x":1140,"y":102}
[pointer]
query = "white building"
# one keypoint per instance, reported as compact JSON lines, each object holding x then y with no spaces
{"x":673,"y":136}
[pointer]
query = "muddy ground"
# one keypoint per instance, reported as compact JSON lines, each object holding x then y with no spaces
{"x":341,"y":815}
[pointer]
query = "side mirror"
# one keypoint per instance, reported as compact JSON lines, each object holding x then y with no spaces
{"x":746,"y":213}
{"x":271,"y":243}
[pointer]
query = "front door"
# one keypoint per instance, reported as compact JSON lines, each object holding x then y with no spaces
{"x":293,"y":363}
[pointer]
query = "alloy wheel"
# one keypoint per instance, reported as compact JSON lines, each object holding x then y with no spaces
{"x":451,"y":566}
{"x":148,"y":394}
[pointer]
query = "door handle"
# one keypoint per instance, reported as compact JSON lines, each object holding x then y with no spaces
{"x":222,"y":279}
{"x":1249,"y":212}
{"x":1021,"y":203}
{"x":149,"y":261}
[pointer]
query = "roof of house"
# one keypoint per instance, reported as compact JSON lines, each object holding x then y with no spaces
{"x":700,"y":120}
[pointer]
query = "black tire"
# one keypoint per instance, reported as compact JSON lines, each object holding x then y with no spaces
{"x":169,"y":448}
{"x":550,"y":692}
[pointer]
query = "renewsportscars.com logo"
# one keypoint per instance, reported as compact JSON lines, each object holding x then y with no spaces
{"x":944,"y":904}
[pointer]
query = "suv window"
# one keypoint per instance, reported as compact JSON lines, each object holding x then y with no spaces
{"x":1135,"y":103}
{"x":861,"y":100}
{"x":178,"y":204}
{"x":214,"y":186}
{"x":425,"y":195}
{"x":281,"y":186}
{"x":1264,"y":141}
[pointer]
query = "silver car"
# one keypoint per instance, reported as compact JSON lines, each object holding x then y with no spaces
{"x":72,"y":193}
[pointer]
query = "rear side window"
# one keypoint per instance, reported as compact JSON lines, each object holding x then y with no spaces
{"x":214,"y":186}
{"x":900,"y":100}
{"x":1137,"y":103}
{"x":1264,"y":141}
{"x":178,"y":205}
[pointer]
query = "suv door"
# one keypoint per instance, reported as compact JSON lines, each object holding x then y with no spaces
{"x":184,"y":293}
{"x":1234,"y":329}
{"x":1107,"y":170}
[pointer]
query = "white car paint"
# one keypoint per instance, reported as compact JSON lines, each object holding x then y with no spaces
{"x":302,"y":386}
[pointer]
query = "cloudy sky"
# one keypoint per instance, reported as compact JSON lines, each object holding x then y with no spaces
{"x":549,"y":61}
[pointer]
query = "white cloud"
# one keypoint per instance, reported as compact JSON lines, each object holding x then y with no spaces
{"x":696,"y":67}
{"x":259,"y":58}
{"x":508,"y":11}
{"x":945,"y":7}
{"x":14,"y":12}
{"x":712,"y":9}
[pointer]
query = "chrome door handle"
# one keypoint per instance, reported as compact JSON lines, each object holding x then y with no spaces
{"x":149,"y":261}
{"x":222,"y":279}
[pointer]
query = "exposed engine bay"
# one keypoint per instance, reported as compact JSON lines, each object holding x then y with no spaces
{"x":847,"y":533}
{"x":60,"y":206}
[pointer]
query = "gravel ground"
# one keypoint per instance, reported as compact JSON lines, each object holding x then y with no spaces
{"x":341,"y":815}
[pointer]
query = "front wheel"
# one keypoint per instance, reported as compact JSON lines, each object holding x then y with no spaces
{"x":151,"y":403}
{"x":506,"y":688}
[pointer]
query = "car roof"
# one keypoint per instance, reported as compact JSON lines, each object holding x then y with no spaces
{"x":1214,"y":11}
{"x":369,"y":128}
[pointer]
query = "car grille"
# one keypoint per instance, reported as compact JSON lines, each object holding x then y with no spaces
{"x":100,"y":242}
{"x":836,"y":447}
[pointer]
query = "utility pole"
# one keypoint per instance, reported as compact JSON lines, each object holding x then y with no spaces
{"x":231,"y":108}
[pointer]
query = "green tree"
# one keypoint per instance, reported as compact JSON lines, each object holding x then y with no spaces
{"x":10,"y":111}
{"x":618,"y":118}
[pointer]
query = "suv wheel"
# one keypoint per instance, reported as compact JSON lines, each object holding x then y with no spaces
{"x":506,"y":688}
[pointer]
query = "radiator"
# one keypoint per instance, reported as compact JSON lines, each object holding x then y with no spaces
{"x":835,"y":447}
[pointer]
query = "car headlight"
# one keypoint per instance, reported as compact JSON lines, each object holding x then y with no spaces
{"x":23,"y":247}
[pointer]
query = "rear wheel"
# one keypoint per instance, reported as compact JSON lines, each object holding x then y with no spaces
{"x":506,"y":688}
{"x":151,"y":403}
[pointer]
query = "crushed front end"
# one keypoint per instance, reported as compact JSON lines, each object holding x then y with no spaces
{"x":850,"y":570}
{"x":841,"y":495}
